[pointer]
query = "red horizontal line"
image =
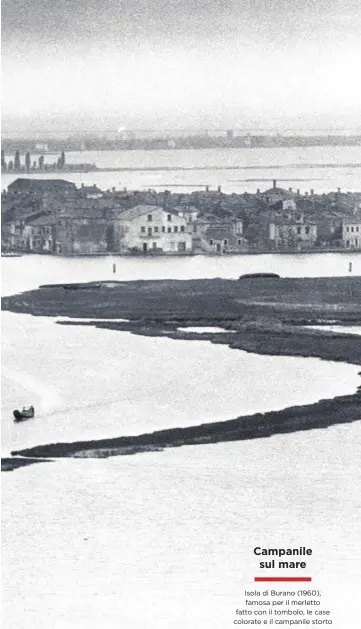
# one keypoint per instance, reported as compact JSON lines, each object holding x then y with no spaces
{"x":283,"y":579}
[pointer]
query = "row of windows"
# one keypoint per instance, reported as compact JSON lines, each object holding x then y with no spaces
{"x":150,"y":217}
{"x":156,"y":229}
{"x":283,"y":231}
{"x":225,"y":242}
{"x":352,"y":229}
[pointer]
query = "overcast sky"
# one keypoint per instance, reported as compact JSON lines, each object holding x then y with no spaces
{"x":188,"y":63}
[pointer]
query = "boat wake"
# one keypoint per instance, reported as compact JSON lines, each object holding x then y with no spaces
{"x":48,"y":398}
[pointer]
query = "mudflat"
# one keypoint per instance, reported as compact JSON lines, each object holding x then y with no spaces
{"x":260,"y":315}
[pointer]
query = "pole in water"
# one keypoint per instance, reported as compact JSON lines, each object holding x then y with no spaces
{"x":350,"y":267}
{"x":114,"y":267}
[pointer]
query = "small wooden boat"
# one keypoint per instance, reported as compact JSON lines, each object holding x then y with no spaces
{"x":25,"y":413}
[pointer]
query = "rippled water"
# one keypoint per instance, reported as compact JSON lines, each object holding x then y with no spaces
{"x":163,"y":539}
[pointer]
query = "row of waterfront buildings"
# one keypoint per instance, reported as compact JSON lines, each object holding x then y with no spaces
{"x":56,"y":217}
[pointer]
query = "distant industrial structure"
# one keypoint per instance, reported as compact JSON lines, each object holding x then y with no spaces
{"x":122,"y":138}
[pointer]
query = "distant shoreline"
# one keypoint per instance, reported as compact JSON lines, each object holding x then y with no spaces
{"x":188,"y":254}
{"x":184,"y":142}
{"x":109,"y":169}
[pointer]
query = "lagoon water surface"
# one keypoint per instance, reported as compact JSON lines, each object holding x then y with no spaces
{"x":88,"y":383}
{"x":321,"y":168}
{"x":163,"y":539}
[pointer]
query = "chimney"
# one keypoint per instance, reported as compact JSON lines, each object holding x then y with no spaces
{"x":338,"y":190}
{"x":312,"y":192}
{"x":219,"y":189}
{"x":207,"y":188}
{"x":275,"y":183}
{"x":298,"y":192}
{"x":306,"y":194}
{"x":258,"y":191}
{"x":289,"y":189}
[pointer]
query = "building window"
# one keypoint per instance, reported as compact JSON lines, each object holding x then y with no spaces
{"x":357,"y":228}
{"x":239,"y":241}
{"x":352,"y":229}
{"x":156,"y":229}
{"x":163,"y":229}
{"x":149,"y":231}
{"x":182,"y":228}
{"x":142,"y":229}
{"x":150,"y":217}
{"x":307,"y":230}
{"x":211,"y":242}
{"x":169,"y":217}
{"x":225,"y":242}
{"x":347,"y":229}
{"x":175,"y":229}
{"x":169,"y":230}
{"x":298,"y":230}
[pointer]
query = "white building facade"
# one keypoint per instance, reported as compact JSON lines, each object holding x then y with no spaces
{"x":351,"y":233}
{"x":148,"y":228}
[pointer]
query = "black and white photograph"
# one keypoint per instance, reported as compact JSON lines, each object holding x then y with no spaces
{"x":181,"y":314}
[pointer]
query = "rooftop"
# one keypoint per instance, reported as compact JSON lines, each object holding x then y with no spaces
{"x":42,"y":221}
{"x":279,"y":220}
{"x":29,"y":184}
{"x":90,"y":189}
{"x":352,"y":220}
{"x":286,"y":194}
{"x":140,"y":210}
{"x":218,"y":233}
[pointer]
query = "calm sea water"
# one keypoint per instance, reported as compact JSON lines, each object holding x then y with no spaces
{"x":165,"y":539}
{"x":236,"y":170}
{"x":26,"y":272}
{"x":344,"y":329}
{"x":88,"y":384}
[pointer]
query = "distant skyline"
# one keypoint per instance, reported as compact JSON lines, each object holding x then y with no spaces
{"x":184,"y":64}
